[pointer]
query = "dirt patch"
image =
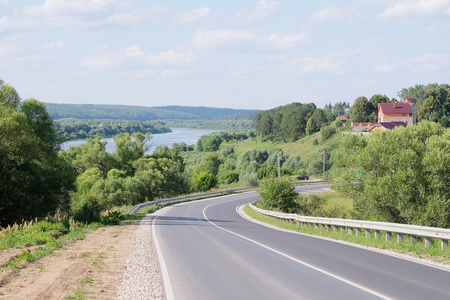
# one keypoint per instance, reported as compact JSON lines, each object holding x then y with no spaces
{"x":91,"y":267}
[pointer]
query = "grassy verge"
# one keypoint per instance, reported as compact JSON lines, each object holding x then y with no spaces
{"x":417,"y":248}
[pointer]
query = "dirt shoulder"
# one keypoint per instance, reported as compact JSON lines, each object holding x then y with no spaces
{"x":91,"y":267}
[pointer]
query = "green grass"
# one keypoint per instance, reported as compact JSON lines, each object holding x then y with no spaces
{"x":303,"y":147}
{"x":30,"y":234}
{"x":418,"y":248}
{"x":76,"y":295}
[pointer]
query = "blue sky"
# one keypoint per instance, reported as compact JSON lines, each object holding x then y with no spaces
{"x":237,"y":54}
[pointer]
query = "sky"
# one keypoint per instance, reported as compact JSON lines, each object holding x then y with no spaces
{"x":223,"y":53}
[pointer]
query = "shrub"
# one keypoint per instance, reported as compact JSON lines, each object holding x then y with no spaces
{"x":278,"y":194}
{"x":113,"y":218}
{"x":327,"y":132}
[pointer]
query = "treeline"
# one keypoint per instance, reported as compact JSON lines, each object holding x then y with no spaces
{"x":293,"y":121}
{"x":138,"y":113}
{"x":432,"y":102}
{"x":71,"y":129}
{"x":398,"y":176}
{"x":214,"y":124}
{"x":213,"y":141}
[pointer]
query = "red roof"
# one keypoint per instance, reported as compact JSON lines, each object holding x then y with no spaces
{"x":343,"y":118}
{"x":388,"y":125}
{"x":394,"y":108}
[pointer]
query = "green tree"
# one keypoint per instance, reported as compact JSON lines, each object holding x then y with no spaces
{"x":293,"y":163}
{"x":399,"y":175}
{"x":437,"y":102}
{"x":316,"y":121}
{"x":376,"y":99}
{"x":360,"y":110}
{"x":9,"y":95}
{"x":162,"y":173}
{"x":34,"y":180}
{"x":129,"y":150}
{"x":278,"y":194}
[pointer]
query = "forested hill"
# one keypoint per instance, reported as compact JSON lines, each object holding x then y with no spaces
{"x":142,"y":113}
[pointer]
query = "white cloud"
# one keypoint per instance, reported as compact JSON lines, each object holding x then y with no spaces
{"x":194,"y":15}
{"x":416,"y":10}
{"x":263,"y":9}
{"x":222,"y":38}
{"x":77,"y":14}
{"x":170,"y":57}
{"x":344,"y":14}
{"x":4,"y":2}
{"x":431,"y":63}
{"x":287,"y":41}
{"x":51,"y":45}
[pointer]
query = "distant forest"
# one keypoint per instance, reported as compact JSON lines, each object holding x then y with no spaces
{"x":73,"y":129}
{"x":141,"y":113}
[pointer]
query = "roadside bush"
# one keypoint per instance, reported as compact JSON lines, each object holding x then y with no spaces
{"x":278,"y":194}
{"x":113,"y":218}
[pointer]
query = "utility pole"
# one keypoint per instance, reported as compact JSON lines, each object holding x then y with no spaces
{"x":279,"y":171}
{"x":323,"y":164}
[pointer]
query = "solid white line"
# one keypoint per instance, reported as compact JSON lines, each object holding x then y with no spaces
{"x":165,"y":274}
{"x":297,"y":260}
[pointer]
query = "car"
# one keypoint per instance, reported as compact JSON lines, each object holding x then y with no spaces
{"x":302,"y":177}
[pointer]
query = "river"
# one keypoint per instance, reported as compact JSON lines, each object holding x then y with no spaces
{"x":178,"y":135}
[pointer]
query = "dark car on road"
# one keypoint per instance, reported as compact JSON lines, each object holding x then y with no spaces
{"x":302,"y":177}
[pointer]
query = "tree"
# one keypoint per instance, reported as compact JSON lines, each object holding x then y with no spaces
{"x":360,"y":110}
{"x":293,"y":163}
{"x":376,"y":99}
{"x":437,"y":102}
{"x":34,"y":180}
{"x":278,"y":194}
{"x":128,"y":150}
{"x":419,"y":92}
{"x":399,"y":176}
{"x":9,"y":95}
{"x":316,"y":121}
{"x":162,"y":173}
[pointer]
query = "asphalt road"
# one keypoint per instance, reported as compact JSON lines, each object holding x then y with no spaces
{"x":208,"y":251}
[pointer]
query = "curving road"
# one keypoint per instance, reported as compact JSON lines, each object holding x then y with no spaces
{"x":208,"y":251}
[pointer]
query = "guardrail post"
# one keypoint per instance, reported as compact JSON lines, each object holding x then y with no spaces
{"x":316,"y":225}
{"x":377,"y":234}
{"x":413,"y":239}
{"x":358,"y":231}
{"x":388,"y":236}
{"x":367,"y":233}
{"x":400,"y":237}
{"x":350,"y":230}
{"x":342,"y":229}
{"x":334,"y":228}
{"x":427,"y":242}
{"x":444,"y":244}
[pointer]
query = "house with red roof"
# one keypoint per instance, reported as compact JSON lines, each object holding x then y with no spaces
{"x":383,"y":126}
{"x":398,"y":112}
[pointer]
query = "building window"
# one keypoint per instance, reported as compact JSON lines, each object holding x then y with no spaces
{"x":404,"y":115}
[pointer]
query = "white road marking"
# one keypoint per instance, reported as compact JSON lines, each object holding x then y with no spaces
{"x":297,"y":260}
{"x":165,"y":274}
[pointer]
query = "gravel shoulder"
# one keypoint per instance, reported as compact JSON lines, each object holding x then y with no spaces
{"x":117,"y":262}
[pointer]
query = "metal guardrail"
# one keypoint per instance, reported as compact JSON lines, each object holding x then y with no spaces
{"x":400,"y":229}
{"x":140,"y":206}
